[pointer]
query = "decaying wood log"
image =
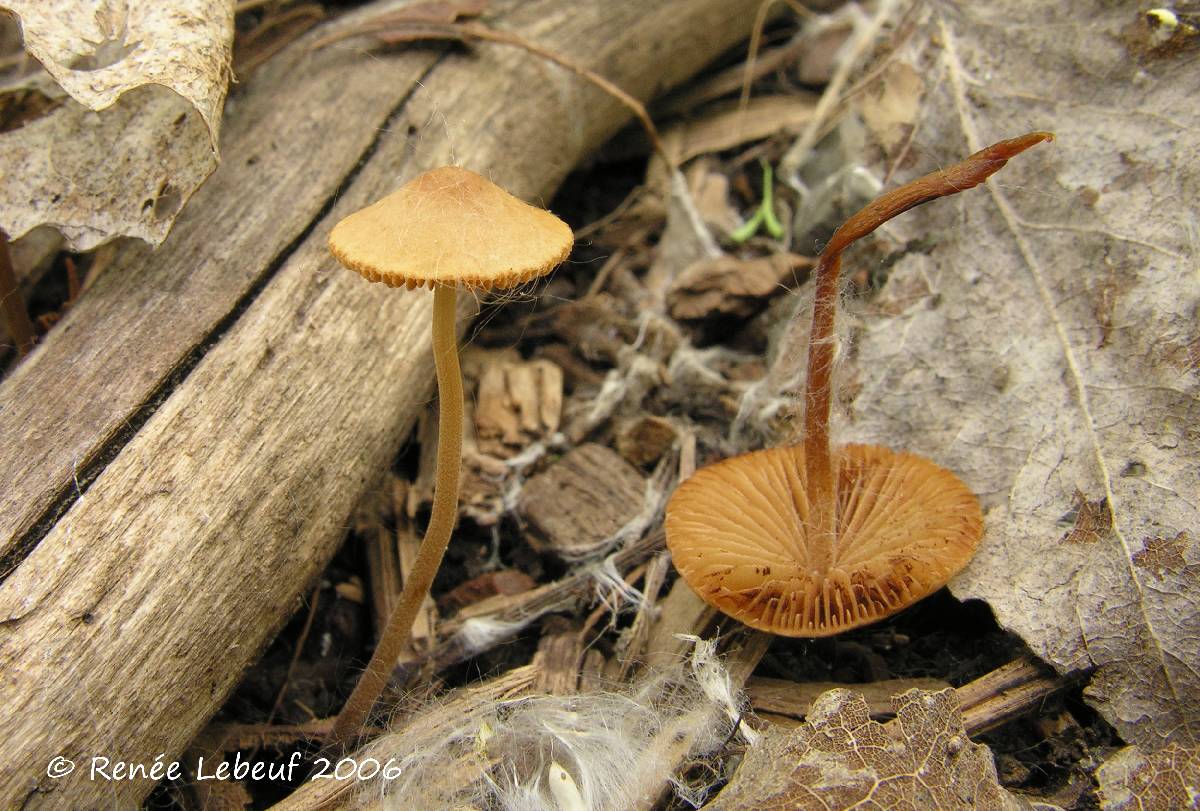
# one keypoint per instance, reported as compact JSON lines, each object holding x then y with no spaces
{"x":230,"y":396}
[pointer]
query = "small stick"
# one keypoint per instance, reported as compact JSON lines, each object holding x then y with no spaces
{"x":1008,"y":691}
{"x":636,"y":107}
{"x":383,"y":565}
{"x":752,"y":69}
{"x":462,"y":32}
{"x":304,"y":632}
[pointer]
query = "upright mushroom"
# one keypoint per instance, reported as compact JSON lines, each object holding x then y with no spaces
{"x":445,"y":228}
{"x":807,"y":541}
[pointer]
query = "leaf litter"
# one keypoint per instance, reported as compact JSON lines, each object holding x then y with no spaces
{"x":1042,"y":343}
{"x":840,"y":758}
{"x":999,"y":350}
{"x":1044,"y":346}
{"x":137,"y":91}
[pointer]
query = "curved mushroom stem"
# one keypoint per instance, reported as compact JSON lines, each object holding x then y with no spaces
{"x":441,"y":521}
{"x":821,"y":345}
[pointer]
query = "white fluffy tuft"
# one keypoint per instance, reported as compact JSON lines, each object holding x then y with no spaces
{"x":602,"y":751}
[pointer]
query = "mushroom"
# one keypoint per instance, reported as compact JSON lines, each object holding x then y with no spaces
{"x":444,"y":228}
{"x":807,"y":541}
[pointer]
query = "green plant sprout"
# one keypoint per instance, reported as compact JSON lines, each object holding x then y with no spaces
{"x":764,"y":217}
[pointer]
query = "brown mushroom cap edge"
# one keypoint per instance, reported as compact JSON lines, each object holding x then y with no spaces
{"x":451,"y":226}
{"x":738,"y":532}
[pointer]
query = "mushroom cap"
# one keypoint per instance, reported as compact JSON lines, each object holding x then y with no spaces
{"x":738,"y":534}
{"x":451,"y":226}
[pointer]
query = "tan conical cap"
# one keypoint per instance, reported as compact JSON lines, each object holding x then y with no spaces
{"x":451,"y":226}
{"x":737,"y":532}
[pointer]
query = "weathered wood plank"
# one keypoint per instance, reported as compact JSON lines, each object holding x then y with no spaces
{"x":73,"y":402}
{"x":132,"y":619}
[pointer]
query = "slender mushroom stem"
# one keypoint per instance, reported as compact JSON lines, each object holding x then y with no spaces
{"x":441,"y":521}
{"x":819,"y":391}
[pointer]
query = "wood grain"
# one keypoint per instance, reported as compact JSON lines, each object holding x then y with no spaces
{"x":276,"y":386}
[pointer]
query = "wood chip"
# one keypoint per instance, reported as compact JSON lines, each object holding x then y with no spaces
{"x":577,"y":506}
{"x":504,"y":582}
{"x":633,"y":641}
{"x":558,"y":656}
{"x":680,"y":613}
{"x":729,"y":287}
{"x":408,"y":542}
{"x":379,"y":547}
{"x":420,"y":493}
{"x":591,"y":672}
{"x":517,"y":403}
{"x":646,"y":439}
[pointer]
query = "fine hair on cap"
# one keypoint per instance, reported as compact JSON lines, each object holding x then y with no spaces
{"x":738,"y":532}
{"x":451,"y":226}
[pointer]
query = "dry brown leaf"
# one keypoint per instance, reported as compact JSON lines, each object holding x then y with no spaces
{"x":1046,"y":343}
{"x":729,"y":125}
{"x":891,"y":107}
{"x":840,"y":758}
{"x":822,"y":43}
{"x":1165,"y":781}
{"x":710,"y":190}
{"x":645,"y":439}
{"x":727,"y":286}
{"x":138,"y":134}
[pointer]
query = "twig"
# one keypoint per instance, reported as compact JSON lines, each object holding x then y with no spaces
{"x":592,"y":227}
{"x":756,"y":32}
{"x":250,"y":52}
{"x":798,"y":152}
{"x":464,"y":32}
{"x":618,"y":257}
{"x":287,"y":678}
{"x":1008,"y":691}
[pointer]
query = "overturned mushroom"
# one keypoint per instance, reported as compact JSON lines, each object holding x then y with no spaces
{"x":445,"y":228}
{"x":809,"y":541}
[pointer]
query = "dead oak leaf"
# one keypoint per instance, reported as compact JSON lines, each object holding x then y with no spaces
{"x":1092,"y":520}
{"x":1167,"y":780}
{"x":1037,"y":367}
{"x":138,"y":92}
{"x":1162,"y":556}
{"x":840,"y":759}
